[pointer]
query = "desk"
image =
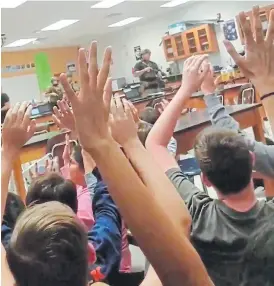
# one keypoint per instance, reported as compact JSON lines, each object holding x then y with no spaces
{"x":248,"y":115}
{"x":34,"y":149}
{"x":45,"y":118}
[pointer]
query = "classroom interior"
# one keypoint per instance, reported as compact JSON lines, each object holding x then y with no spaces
{"x":34,"y":51}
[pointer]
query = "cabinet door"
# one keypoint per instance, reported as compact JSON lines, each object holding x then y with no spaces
{"x":203,"y":38}
{"x":169,"y":49}
{"x":191,"y":40}
{"x":179,"y":43}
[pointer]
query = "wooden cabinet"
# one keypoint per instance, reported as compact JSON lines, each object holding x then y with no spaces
{"x":197,"y":40}
{"x":264,"y":15}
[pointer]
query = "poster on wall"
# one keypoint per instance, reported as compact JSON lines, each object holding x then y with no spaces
{"x":137,"y":53}
{"x":230,"y":31}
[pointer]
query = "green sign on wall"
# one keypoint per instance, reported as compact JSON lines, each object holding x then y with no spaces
{"x":43,"y":71}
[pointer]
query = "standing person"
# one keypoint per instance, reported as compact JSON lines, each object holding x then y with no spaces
{"x":5,"y":105}
{"x":149,"y":74}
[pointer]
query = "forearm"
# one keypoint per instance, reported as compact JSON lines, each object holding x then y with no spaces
{"x":139,"y":73}
{"x":6,"y":170}
{"x":151,"y":278}
{"x":158,"y":183}
{"x":139,"y":207}
{"x":164,"y":127}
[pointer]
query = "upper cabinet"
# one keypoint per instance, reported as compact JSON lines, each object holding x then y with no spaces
{"x":197,"y":40}
{"x":264,"y":15}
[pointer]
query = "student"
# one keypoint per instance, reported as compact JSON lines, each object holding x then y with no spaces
{"x":5,"y":105}
{"x":133,"y":194}
{"x":220,"y":228}
{"x":264,"y":155}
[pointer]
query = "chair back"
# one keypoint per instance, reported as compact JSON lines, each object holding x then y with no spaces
{"x":247,"y":94}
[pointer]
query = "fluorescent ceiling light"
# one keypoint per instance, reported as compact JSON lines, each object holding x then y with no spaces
{"x":59,"y":25}
{"x":20,"y":43}
{"x":125,"y":22}
{"x":107,"y":3}
{"x":174,"y":3}
{"x":11,"y":3}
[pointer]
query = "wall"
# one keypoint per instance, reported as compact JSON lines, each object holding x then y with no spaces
{"x":58,"y":58}
{"x":149,"y":34}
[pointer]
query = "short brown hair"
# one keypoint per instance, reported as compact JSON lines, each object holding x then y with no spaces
{"x":49,"y":247}
{"x":149,"y":115}
{"x":224,"y":158}
{"x":143,"y":130}
{"x":52,"y":187}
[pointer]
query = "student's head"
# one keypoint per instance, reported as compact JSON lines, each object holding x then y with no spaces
{"x":143,"y":130}
{"x":224,"y":159}
{"x":76,"y":166}
{"x":149,"y":115}
{"x":52,"y":187}
{"x":48,"y":247}
{"x":54,"y":81}
{"x":259,"y":256}
{"x":146,"y":53}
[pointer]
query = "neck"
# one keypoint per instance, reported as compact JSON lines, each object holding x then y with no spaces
{"x":243,"y":201}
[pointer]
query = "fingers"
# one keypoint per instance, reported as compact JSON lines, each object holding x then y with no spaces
{"x":198,"y":60}
{"x":14,"y":112}
{"x":25,"y":119}
{"x":259,"y":35}
{"x":270,"y":31}
{"x":63,"y":107}
{"x":8,"y":118}
{"x":93,"y":67}
{"x":67,"y":88}
{"x":21,"y":111}
{"x":246,"y":27}
{"x":205,"y":71}
{"x":119,"y":106}
{"x":238,"y":59}
{"x":107,"y":94}
{"x":83,"y":69}
{"x":127,"y":109}
{"x":31,"y":129}
{"x":104,"y":71}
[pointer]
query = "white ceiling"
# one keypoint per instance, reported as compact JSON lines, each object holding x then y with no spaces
{"x":32,"y":16}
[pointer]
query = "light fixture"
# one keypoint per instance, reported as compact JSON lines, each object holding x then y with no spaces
{"x":125,"y":22}
{"x":59,"y":25}
{"x":174,"y":3}
{"x":20,"y":43}
{"x":11,"y":3}
{"x":107,"y":4}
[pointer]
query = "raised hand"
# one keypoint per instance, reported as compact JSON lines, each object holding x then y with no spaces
{"x":123,"y":127}
{"x":258,"y":62}
{"x":67,"y":151}
{"x":17,"y":129}
{"x":161,"y":106}
{"x":63,"y":117}
{"x":193,"y":73}
{"x":51,"y":166}
{"x":91,"y":106}
{"x":134,"y":112}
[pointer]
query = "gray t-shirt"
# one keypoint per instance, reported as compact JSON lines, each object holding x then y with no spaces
{"x":218,"y":233}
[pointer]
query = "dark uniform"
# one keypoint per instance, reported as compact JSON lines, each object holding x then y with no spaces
{"x":4,"y":100}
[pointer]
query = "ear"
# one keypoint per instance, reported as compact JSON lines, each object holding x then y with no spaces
{"x":205,"y":180}
{"x":253,"y":158}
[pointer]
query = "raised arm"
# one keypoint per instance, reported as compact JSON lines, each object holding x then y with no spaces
{"x":163,"y":129}
{"x":258,"y":63}
{"x":137,"y":204}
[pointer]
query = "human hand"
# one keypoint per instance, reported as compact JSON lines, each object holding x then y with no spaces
{"x":67,"y":151}
{"x":123,"y":127}
{"x":134,"y":111}
{"x":258,"y":62}
{"x":194,"y":74}
{"x":91,"y":106}
{"x":148,"y":69}
{"x":63,"y":117}
{"x":17,"y":129}
{"x":208,"y":85}
{"x":161,"y":106}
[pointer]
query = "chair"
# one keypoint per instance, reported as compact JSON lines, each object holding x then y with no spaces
{"x":247,"y":94}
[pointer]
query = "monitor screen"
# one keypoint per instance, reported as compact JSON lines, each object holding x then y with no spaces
{"x":45,"y":108}
{"x":35,"y":111}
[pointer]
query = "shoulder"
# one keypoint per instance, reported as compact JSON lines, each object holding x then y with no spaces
{"x":138,"y":65}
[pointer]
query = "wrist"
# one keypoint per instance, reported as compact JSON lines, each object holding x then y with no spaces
{"x":8,"y":156}
{"x":131,"y":143}
{"x":264,"y":89}
{"x":208,"y":90}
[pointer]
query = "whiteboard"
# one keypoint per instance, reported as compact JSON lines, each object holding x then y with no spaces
{"x":21,"y":88}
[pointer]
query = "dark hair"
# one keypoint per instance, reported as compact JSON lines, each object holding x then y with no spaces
{"x":224,"y":158}
{"x":78,"y":157}
{"x":14,"y":207}
{"x":48,"y":247}
{"x":149,"y":115}
{"x":52,"y":187}
{"x":259,"y":255}
{"x":143,"y":130}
